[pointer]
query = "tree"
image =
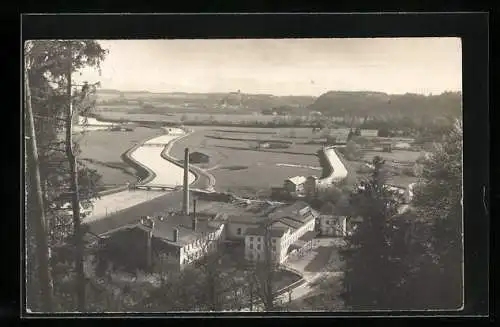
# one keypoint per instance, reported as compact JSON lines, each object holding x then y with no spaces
{"x":38,"y":214}
{"x":368,"y":248}
{"x":438,"y":201}
{"x":51,"y":64}
{"x":352,"y":151}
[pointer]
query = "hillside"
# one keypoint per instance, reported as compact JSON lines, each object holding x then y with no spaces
{"x":192,"y":101}
{"x":377,"y":104}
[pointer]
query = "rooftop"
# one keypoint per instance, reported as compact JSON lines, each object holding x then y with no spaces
{"x":261,"y":231}
{"x":297,"y":180}
{"x":164,"y":228}
{"x":299,"y":211}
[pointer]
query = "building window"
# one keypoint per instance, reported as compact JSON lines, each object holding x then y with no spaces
{"x":238,"y":231}
{"x":258,"y":246}
{"x":274,"y":241}
{"x":258,"y":239}
{"x":251,"y":245}
{"x":251,"y":238}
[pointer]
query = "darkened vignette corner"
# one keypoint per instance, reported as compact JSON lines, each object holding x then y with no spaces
{"x":212,"y":172}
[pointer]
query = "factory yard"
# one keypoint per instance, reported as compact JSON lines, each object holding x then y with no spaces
{"x":111,"y":204}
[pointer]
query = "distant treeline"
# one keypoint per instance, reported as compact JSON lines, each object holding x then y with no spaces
{"x":377,"y":104}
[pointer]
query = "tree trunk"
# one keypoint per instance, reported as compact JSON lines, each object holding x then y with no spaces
{"x":80,"y":276}
{"x":38,"y":218}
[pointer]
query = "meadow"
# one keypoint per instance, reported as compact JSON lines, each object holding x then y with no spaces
{"x":102,"y":150}
{"x":394,"y":156}
{"x":230,"y":117}
{"x":240,"y":168}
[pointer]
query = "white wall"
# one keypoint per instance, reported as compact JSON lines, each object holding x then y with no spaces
{"x":251,"y":248}
{"x":200,"y":247}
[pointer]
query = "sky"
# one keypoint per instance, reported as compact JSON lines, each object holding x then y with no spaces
{"x":282,"y":66}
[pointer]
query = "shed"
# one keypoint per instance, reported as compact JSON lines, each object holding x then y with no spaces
{"x":387,"y":147}
{"x":294,"y":184}
{"x":198,"y":157}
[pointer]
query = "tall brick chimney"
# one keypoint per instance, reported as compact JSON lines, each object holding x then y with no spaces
{"x":195,"y":219}
{"x":185,"y":199}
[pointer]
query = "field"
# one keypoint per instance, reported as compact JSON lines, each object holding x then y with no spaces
{"x":395,"y":160}
{"x":102,"y":150}
{"x":228,"y":116}
{"x":240,"y":168}
{"x":395,"y":155}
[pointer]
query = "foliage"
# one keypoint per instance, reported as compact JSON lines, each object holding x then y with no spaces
{"x":352,"y":151}
{"x":438,"y":201}
{"x":47,"y":64}
{"x":368,"y":248}
{"x":378,"y":104}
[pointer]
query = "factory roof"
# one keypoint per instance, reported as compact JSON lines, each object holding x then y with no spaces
{"x":299,"y":211}
{"x":164,"y":228}
{"x":261,"y":231}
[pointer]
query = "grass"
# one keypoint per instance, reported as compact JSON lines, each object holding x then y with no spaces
{"x":395,"y":155}
{"x":197,"y":118}
{"x":261,"y":171}
{"x":102,"y":151}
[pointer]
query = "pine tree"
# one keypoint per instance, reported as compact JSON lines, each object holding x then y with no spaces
{"x":438,"y":202}
{"x":368,"y":275}
{"x":47,"y":73}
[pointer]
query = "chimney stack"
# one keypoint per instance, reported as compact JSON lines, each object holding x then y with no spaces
{"x":176,"y":235}
{"x":195,"y":219}
{"x":185,"y":200}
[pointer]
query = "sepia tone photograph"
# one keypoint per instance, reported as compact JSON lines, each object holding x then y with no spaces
{"x":243,"y":175}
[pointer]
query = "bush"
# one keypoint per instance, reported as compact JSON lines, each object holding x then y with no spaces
{"x":408,"y":171}
{"x":352,"y":151}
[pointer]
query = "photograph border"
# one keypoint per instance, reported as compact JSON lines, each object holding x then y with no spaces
{"x":472,"y":28}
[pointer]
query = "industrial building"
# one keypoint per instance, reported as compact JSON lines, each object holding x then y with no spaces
{"x":176,"y":237}
{"x":287,"y":229}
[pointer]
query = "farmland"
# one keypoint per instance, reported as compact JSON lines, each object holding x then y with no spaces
{"x":102,"y":150}
{"x":194,"y":117}
{"x":240,"y":168}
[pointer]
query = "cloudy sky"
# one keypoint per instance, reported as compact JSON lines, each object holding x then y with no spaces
{"x":282,"y":66}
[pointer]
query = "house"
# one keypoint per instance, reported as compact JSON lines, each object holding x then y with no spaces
{"x":332,"y":225}
{"x":294,"y":184}
{"x":387,"y":147}
{"x":369,"y":133}
{"x":288,"y":229}
{"x":310,"y":186}
{"x":198,"y":157}
{"x":332,"y":220}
